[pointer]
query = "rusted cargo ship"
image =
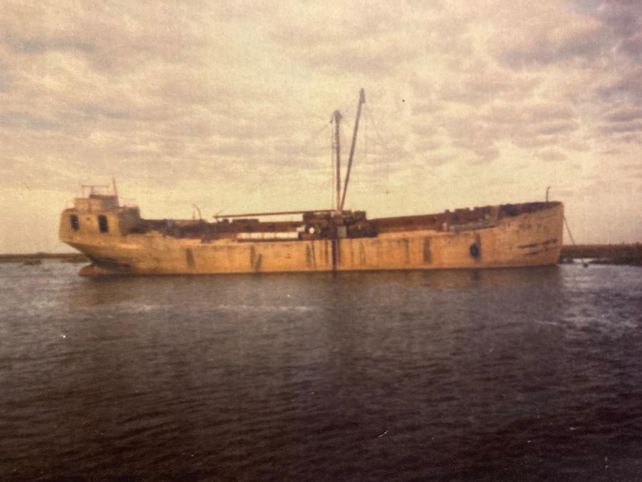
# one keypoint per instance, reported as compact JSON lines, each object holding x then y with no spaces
{"x":119,"y":241}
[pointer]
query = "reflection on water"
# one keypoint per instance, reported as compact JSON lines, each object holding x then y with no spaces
{"x":505,"y":374}
{"x":438,"y":279}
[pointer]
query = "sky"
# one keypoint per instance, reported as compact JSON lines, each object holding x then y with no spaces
{"x":227,"y":105}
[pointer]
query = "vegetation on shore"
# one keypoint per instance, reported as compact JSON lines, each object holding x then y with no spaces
{"x":36,"y":258}
{"x":630,"y":254}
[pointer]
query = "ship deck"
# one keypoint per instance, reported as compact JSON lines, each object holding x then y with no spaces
{"x":324,"y":224}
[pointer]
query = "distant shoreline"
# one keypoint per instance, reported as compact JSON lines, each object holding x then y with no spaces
{"x":626,"y":254}
{"x":623,"y":254}
{"x":35,"y":258}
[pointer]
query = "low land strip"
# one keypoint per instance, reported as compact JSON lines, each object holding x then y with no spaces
{"x":630,"y":254}
{"x":35,"y":258}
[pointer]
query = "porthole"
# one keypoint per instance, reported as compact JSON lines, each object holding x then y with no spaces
{"x":74,"y":222}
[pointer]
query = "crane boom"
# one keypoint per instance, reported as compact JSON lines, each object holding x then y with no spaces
{"x":362,"y":100}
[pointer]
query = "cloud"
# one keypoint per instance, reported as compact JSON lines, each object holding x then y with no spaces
{"x":551,"y":155}
{"x":236,"y":93}
{"x":621,"y":122}
{"x":112,"y":36}
{"x":624,"y":114}
{"x":483,"y":85}
{"x":621,"y":85}
{"x":334,"y":39}
{"x":527,"y":35}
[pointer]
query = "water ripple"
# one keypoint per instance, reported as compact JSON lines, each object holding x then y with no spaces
{"x":503,"y":374}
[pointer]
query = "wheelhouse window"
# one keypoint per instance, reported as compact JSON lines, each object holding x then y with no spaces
{"x":102,"y":223}
{"x":73,"y":221}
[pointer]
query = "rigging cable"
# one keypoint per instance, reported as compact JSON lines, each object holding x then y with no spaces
{"x":570,"y":235}
{"x":313,"y":137}
{"x":300,"y":151}
{"x":381,"y":142}
{"x":384,"y":144}
{"x":386,"y":148}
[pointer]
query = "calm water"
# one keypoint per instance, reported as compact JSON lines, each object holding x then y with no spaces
{"x":507,"y":374}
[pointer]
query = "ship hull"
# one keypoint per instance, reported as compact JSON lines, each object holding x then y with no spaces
{"x":525,"y":240}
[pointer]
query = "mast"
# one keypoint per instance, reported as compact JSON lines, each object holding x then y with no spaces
{"x":113,"y":184}
{"x":362,"y":100}
{"x":337,"y":151}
